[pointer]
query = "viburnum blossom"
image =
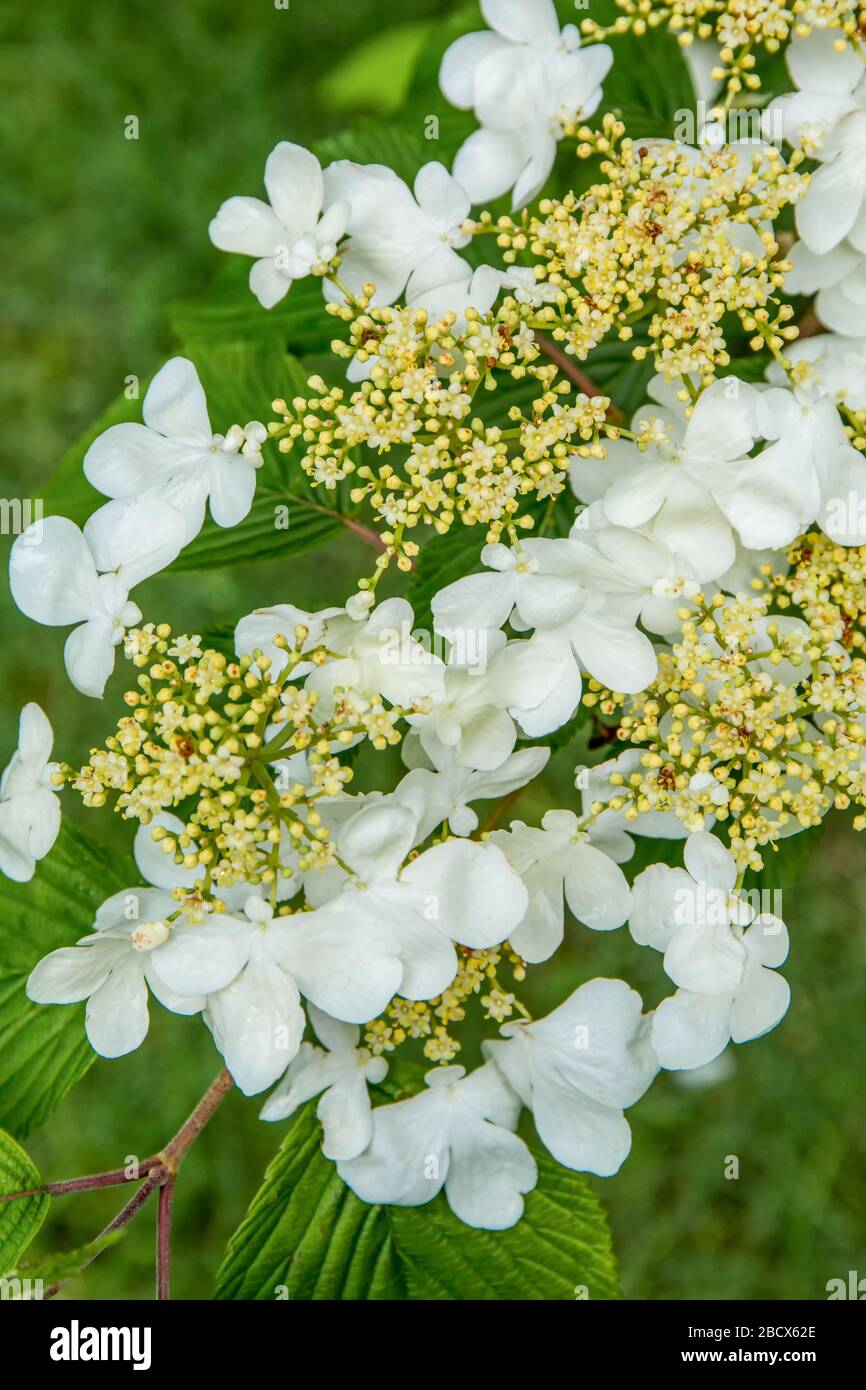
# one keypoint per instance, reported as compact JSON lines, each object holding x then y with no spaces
{"x":613,"y":488}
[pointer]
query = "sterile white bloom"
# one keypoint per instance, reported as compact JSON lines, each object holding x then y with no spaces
{"x":113,"y":968}
{"x":341,"y":1073}
{"x":523,"y":81}
{"x":560,"y":860}
{"x":61,"y":576}
{"x":684,"y":485}
{"x":456,"y":891}
{"x":176,"y":456}
{"x":478,"y":710}
{"x":443,"y":790}
{"x":399,"y":241}
{"x":581,"y":607}
{"x":612,"y":831}
{"x":458,"y":1134}
{"x":839,"y":277}
{"x":806,"y":474}
{"x":290,"y":236}
{"x":29,"y":804}
{"x":375,"y":653}
{"x":717,"y":949}
{"x":826,"y":116}
{"x":578,"y":1069}
{"x":838,"y":367}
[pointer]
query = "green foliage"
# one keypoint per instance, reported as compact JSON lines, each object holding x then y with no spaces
{"x":43,"y":1050}
{"x":66,"y":1264}
{"x":306,"y":1236}
{"x":19,"y":1221}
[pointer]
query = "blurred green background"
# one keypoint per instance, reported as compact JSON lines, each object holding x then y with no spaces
{"x":99,"y":233}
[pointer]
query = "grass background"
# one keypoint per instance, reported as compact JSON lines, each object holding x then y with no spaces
{"x":99,"y":233}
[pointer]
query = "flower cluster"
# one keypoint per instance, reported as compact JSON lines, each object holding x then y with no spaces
{"x":696,"y":590}
{"x":676,"y":236}
{"x":736,"y":31}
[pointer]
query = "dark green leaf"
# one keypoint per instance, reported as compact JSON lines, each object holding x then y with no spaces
{"x":19,"y":1221}
{"x":306,"y":1236}
{"x":43,"y":1048}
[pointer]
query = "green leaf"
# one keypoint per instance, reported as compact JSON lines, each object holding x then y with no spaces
{"x":58,"y":1267}
{"x":43,"y":1047}
{"x":19,"y":1221}
{"x":376,"y":75}
{"x":306,"y":1236}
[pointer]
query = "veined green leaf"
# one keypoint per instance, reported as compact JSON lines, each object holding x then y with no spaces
{"x":43,"y":1048}
{"x":306,"y":1236}
{"x":19,"y":1221}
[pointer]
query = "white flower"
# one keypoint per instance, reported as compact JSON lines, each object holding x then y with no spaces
{"x":29,"y":805}
{"x":839,"y":277}
{"x":113,"y":968}
{"x":341,"y":1073}
{"x":716,"y":949}
{"x":578,"y":605}
{"x":256,"y":632}
{"x":175,"y":454}
{"x":524,"y":80}
{"x":63,"y":577}
{"x":455,"y":891}
{"x":458,"y":1134}
{"x":682,"y":484}
{"x":641,"y":571}
{"x":838,"y":367}
{"x":399,"y":242}
{"x":478,"y":710}
{"x":827,"y":118}
{"x":578,"y":1069}
{"x":290,"y":236}
{"x":560,"y":859}
{"x":376,"y":655}
{"x":806,"y":474}
{"x":443,"y":791}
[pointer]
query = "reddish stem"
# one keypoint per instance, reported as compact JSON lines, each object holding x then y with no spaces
{"x":163,"y":1239}
{"x":569,"y":368}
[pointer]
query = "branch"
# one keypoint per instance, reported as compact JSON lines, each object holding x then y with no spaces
{"x":161,"y":1173}
{"x":163,"y":1238}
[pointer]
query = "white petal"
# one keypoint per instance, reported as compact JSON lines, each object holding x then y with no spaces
{"x":621,"y":658}
{"x":257,"y":1023}
{"x":761,"y":1001}
{"x":579,"y":1132}
{"x":659,"y":896}
{"x":89,"y":656}
{"x":71,"y":974}
{"x":709,"y":862}
{"x":136,"y":537}
{"x":116,"y":1019}
{"x":293,"y":178}
{"x":175,"y":403}
{"x":489,"y":1172}
{"x":523,"y":21}
{"x":268,"y":284}
{"x":247,"y":225}
{"x":596,"y":890}
{"x":488,"y":163}
{"x":407,"y":1161}
{"x":202,"y":958}
{"x":689,"y":1030}
{"x":375,"y":841}
{"x":457,"y":73}
{"x":52,"y":575}
{"x":232,"y":488}
{"x":475,"y":896}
